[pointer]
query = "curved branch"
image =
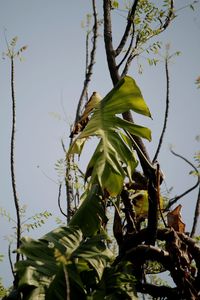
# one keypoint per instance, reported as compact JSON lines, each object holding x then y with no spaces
{"x":127,"y":52}
{"x":162,"y":28}
{"x":89,"y":68}
{"x":196,"y":215}
{"x":142,"y":253}
{"x":59,"y":205}
{"x":166,"y":112}
{"x":127,"y":30}
{"x":175,"y":199}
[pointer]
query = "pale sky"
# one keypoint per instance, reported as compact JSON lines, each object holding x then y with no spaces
{"x":48,"y":84}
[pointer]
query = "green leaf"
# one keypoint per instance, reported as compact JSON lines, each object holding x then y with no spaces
{"x":116,"y":283}
{"x":91,"y":213}
{"x":95,"y":253}
{"x":62,"y":251}
{"x":113,"y":158}
{"x":115,"y":4}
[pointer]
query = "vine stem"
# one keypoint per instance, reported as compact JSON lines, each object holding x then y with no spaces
{"x":166,"y":112}
{"x":12,"y":158}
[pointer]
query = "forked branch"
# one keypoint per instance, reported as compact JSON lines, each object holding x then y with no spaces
{"x":89,"y":67}
{"x":126,"y":34}
{"x":176,"y":198}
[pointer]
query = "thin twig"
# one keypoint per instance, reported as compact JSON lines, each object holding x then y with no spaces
{"x":162,"y":28}
{"x":175,"y":199}
{"x":196,"y":215}
{"x":89,"y":68}
{"x":59,"y":196}
{"x":10,"y":260}
{"x":166,"y":111}
{"x":130,"y":24}
{"x":12,"y":158}
{"x":127,"y":52}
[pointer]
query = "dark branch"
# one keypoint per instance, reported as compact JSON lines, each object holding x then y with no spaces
{"x":127,"y":52}
{"x":142,"y":253}
{"x":130,"y":24}
{"x":10,"y":260}
{"x":153,"y":200}
{"x":175,"y":199}
{"x":169,"y":17}
{"x":12,"y":159}
{"x":110,"y":52}
{"x":162,"y":28}
{"x":166,"y":111}
{"x":129,"y":213}
{"x":59,"y":204}
{"x":196,"y":215}
{"x":89,"y":68}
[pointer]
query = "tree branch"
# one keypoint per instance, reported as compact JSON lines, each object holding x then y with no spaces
{"x":89,"y":68}
{"x":142,"y":253}
{"x":127,"y":52}
{"x":162,"y":28}
{"x":12,"y":159}
{"x":175,"y":199}
{"x":110,"y":53}
{"x":166,"y":111}
{"x":196,"y":215}
{"x":59,"y":205}
{"x":130,"y":24}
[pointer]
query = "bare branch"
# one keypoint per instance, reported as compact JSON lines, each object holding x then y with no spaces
{"x":175,"y":199}
{"x":166,"y":111}
{"x":110,"y":52}
{"x":89,"y":68}
{"x":59,"y":205}
{"x":127,"y":52}
{"x":130,"y":24}
{"x":196,"y":215}
{"x":142,"y":253}
{"x":12,"y":159}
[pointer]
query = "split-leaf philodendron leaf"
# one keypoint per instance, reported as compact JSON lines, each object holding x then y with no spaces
{"x":113,"y":158}
{"x":63,"y":250}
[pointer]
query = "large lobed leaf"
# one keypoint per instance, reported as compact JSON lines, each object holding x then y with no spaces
{"x":113,"y":158}
{"x":62,"y":251}
{"x":91,"y":214}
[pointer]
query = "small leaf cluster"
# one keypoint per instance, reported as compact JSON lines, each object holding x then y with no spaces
{"x":11,"y":52}
{"x":38,"y":220}
{"x":60,"y":168}
{"x":146,"y":19}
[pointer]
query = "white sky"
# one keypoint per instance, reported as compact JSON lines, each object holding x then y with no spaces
{"x":51,"y":78}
